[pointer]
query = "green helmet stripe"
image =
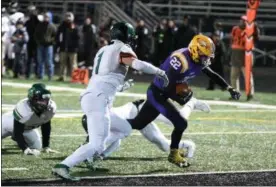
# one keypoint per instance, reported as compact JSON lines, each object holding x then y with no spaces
{"x":16,"y":115}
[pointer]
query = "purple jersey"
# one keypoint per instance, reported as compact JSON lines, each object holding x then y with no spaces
{"x":179,"y":68}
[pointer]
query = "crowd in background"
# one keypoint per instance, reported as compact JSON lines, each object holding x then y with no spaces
{"x":32,"y":41}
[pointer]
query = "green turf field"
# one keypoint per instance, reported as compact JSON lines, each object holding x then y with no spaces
{"x":228,"y":139}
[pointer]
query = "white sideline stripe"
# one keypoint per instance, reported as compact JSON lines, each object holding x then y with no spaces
{"x":14,"y":169}
{"x":23,"y":94}
{"x":164,"y":175}
{"x":125,"y":94}
{"x":188,"y":133}
{"x":70,"y":111}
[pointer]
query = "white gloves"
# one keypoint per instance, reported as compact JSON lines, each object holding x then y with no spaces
{"x":127,"y":84}
{"x":49,"y":150}
{"x":34,"y":152}
{"x":162,"y":75}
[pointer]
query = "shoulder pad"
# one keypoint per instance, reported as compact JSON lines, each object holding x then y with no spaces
{"x":22,"y":111}
{"x":127,"y":49}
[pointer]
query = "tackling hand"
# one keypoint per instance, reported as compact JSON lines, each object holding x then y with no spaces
{"x":127,"y":84}
{"x":162,"y":75}
{"x":34,"y":152}
{"x":234,"y":93}
{"x":49,"y":150}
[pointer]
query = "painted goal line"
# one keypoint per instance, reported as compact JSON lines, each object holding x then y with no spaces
{"x":135,"y":95}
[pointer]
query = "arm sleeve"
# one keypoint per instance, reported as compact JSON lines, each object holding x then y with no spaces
{"x":18,"y":134}
{"x":46,"y":131}
{"x":215,"y":77}
{"x":144,"y":67}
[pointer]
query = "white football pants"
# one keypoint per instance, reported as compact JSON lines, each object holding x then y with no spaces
{"x":96,"y":107}
{"x":151,"y":132}
{"x":32,"y":137}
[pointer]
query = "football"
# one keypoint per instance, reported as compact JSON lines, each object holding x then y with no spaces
{"x":183,"y":89}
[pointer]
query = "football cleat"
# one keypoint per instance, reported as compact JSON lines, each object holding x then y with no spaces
{"x":175,"y":158}
{"x":182,"y":152}
{"x":92,"y":164}
{"x":62,"y":171}
{"x":202,"y":106}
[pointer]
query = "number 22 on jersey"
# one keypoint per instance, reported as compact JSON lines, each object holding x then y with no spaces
{"x":175,"y":63}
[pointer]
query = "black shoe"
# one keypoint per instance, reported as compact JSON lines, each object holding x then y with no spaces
{"x":249,"y":97}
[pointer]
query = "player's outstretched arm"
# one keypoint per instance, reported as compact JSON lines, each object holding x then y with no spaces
{"x":145,"y":67}
{"x":46,"y":132}
{"x":220,"y":81}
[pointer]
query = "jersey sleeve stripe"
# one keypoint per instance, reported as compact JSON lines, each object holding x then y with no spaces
{"x":16,"y":115}
{"x":183,"y":61}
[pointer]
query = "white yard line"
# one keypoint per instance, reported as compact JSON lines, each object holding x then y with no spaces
{"x":188,"y":133}
{"x":14,"y":169}
{"x":135,"y":95}
{"x":56,"y":94}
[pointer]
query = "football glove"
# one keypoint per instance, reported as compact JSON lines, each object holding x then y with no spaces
{"x":34,"y":152}
{"x":162,"y":75}
{"x":127,"y":84}
{"x":49,"y":150}
{"x":181,"y":99}
{"x":234,"y":93}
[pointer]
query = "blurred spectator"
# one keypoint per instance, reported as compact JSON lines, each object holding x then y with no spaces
{"x":68,"y":42}
{"x":208,"y":24}
{"x":217,"y":62}
{"x":31,"y":25}
{"x":19,"y":38}
{"x":170,"y":38}
{"x":238,"y":54}
{"x":142,"y":49}
{"x":129,"y":7}
{"x":104,"y":29}
{"x":159,"y":47}
{"x":45,"y":38}
{"x":102,"y":42}
{"x":219,"y":29}
{"x":184,"y":34}
{"x":4,"y":37}
{"x":89,"y":41}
